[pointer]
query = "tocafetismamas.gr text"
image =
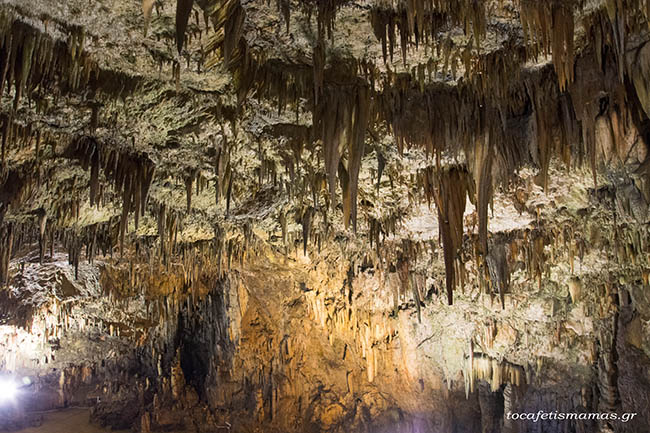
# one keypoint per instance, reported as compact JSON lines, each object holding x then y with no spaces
{"x":567,"y":416}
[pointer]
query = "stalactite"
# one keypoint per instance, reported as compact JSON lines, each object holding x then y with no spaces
{"x":6,"y":122}
{"x":183,"y":11}
{"x":31,"y":58}
{"x":332,"y":125}
{"x":6,"y":241}
{"x":228,"y":20}
{"x":229,"y":194}
{"x":450,"y":198}
{"x":355,"y":153}
{"x":562,"y":44}
{"x":545,"y":113}
{"x":498,"y":271}
{"x":147,"y":8}
{"x":42,"y":221}
{"x":341,"y":119}
{"x":381,"y":164}
{"x":188,"y":191}
{"x":326,"y":14}
{"x":307,"y":216}
{"x":217,"y":175}
{"x":639,"y":72}
{"x":319,"y":69}
{"x":483,"y":154}
{"x":95,"y":163}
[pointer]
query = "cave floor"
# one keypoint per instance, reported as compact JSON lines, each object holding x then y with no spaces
{"x":67,"y":421}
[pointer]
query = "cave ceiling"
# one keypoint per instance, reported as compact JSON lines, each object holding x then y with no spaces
{"x":289,"y":123}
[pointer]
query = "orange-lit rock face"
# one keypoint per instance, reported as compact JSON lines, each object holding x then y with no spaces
{"x":240,"y":216}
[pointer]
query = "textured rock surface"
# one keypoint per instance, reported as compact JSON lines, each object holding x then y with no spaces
{"x":299,"y":216}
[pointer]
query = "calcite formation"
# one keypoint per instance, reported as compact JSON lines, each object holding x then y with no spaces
{"x":227,"y":215}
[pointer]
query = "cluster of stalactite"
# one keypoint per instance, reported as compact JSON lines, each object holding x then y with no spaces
{"x":35,"y":228}
{"x":273,"y":80}
{"x":486,"y":133}
{"x":341,"y":113}
{"x":420,"y":21}
{"x":344,"y":109}
{"x":39,"y":329}
{"x":491,"y":77}
{"x":369,"y":331}
{"x":381,"y":228}
{"x":492,"y":74}
{"x":176,"y":332}
{"x":549,"y":116}
{"x":304,"y":183}
{"x":34,"y":64}
{"x":21,"y":134}
{"x":496,"y":373}
{"x":437,"y":117}
{"x":166,"y":292}
{"x":534,"y":249}
{"x":297,"y":139}
{"x":341,"y":116}
{"x":200,"y":261}
{"x":431,"y":119}
{"x":23,"y":181}
{"x":16,"y":184}
{"x":341,"y":120}
{"x":130,"y":175}
{"x":386,"y":21}
{"x":130,"y":172}
{"x":549,"y":29}
{"x":449,"y":188}
{"x":31,"y":60}
{"x":452,"y":119}
{"x":537,"y":248}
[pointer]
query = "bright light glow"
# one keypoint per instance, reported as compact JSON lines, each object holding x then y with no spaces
{"x":8,"y":390}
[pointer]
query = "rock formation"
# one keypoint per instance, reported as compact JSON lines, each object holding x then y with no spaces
{"x":326,"y":215}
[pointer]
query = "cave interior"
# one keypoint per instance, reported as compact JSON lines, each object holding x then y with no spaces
{"x":341,"y":216}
